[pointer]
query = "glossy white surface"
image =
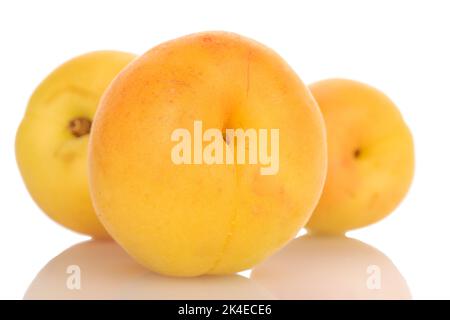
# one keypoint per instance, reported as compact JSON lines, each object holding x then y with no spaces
{"x":401,"y":47}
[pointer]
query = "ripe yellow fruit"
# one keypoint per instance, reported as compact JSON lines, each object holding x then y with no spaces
{"x":189,"y":220}
{"x":370,"y":156}
{"x":51,"y":142}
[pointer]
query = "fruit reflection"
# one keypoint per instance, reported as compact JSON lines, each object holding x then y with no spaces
{"x":330,"y":268}
{"x":102,"y":270}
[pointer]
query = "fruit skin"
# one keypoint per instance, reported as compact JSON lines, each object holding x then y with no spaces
{"x":370,"y":156}
{"x":188,"y":220}
{"x":51,"y":159}
{"x":330,"y":267}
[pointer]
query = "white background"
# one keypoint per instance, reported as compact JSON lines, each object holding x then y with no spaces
{"x":401,"y":47}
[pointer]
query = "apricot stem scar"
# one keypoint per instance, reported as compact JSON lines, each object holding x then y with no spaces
{"x":80,"y":126}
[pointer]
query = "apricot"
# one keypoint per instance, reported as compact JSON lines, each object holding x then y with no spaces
{"x":370,"y":156}
{"x":186,"y":219}
{"x":51,"y":142}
